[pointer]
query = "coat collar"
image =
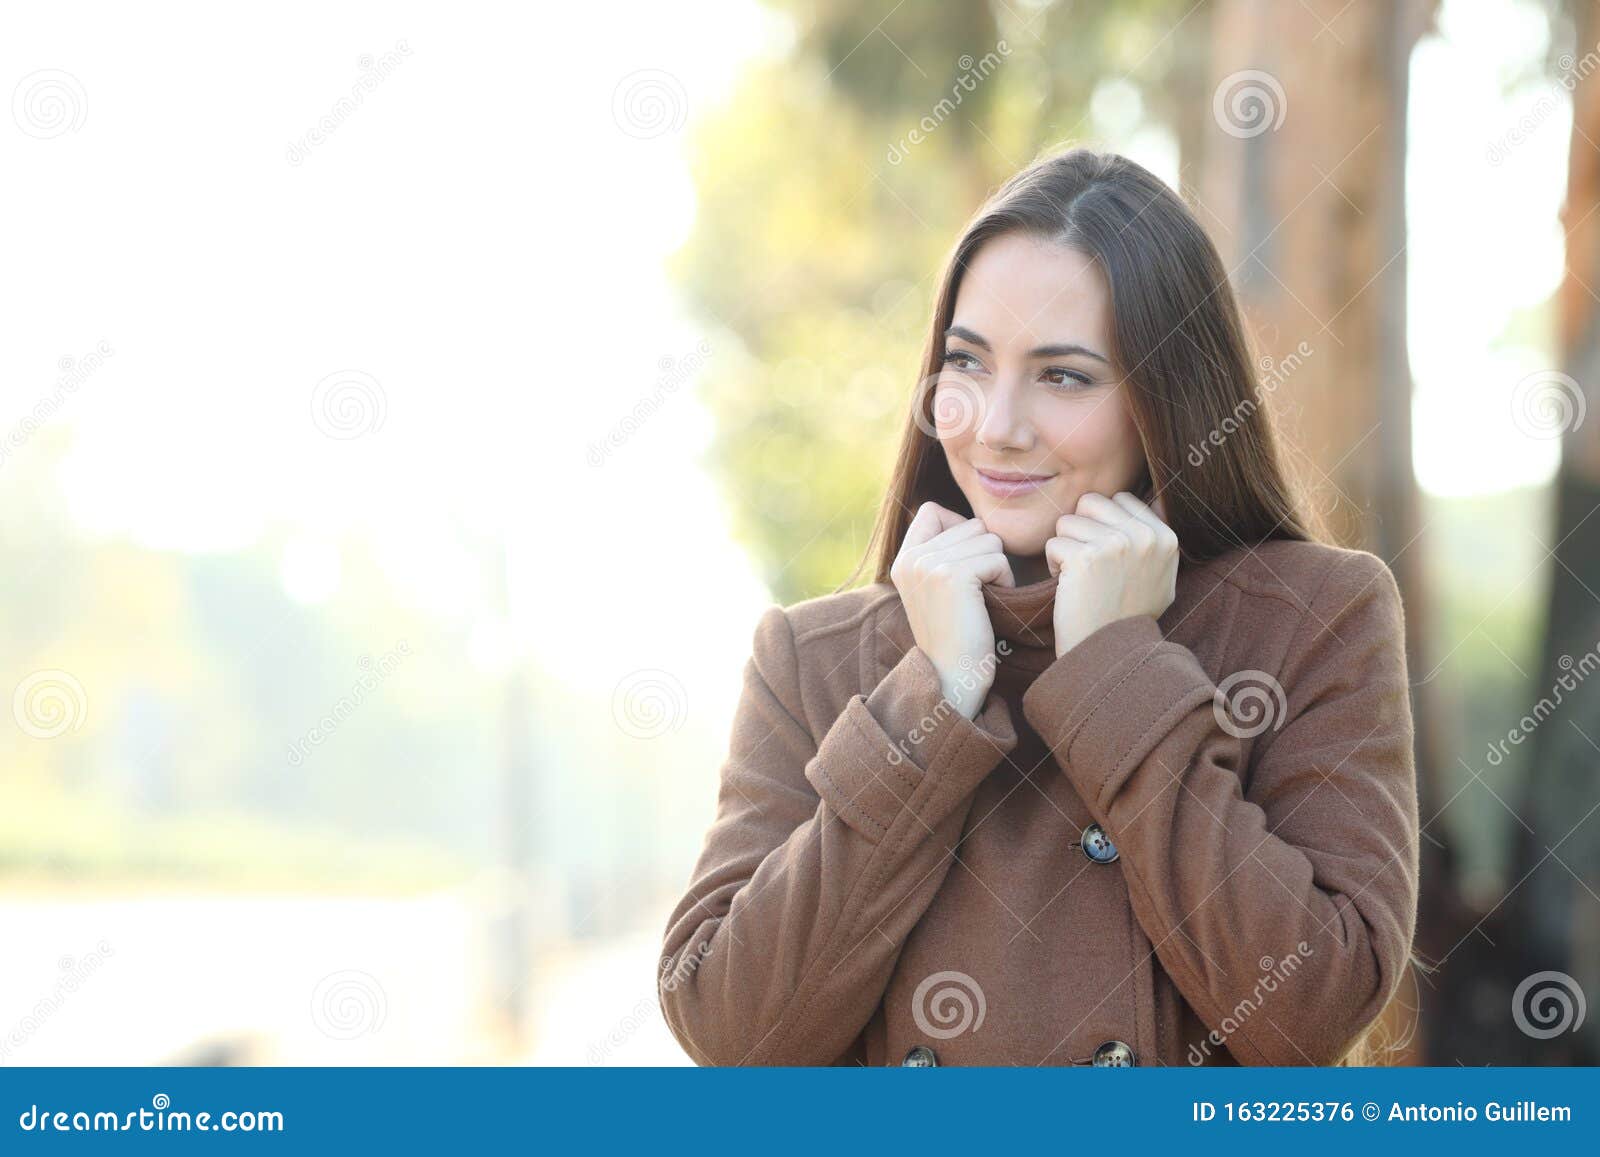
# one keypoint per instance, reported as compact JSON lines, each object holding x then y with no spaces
{"x":1024,"y":617}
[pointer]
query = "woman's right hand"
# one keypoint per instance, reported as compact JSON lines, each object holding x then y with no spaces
{"x":940,"y":571}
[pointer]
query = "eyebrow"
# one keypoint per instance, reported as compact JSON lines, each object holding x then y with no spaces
{"x":1044,"y":351}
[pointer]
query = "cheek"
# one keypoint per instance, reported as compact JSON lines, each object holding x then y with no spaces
{"x":1091,"y":436}
{"x":956,"y":411}
{"x":953,"y":438}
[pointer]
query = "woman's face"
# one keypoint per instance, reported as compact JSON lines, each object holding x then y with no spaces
{"x":1028,"y":408}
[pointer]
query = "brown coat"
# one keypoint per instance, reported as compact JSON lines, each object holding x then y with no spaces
{"x":887,"y":882}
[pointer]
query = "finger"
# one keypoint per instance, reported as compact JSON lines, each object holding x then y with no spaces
{"x":1058,"y":552}
{"x":1082,"y":527}
{"x":1096,"y":505}
{"x":923,"y":526}
{"x":964,"y":531}
{"x":967,"y":548}
{"x":1141,"y":512}
{"x":986,"y":568}
{"x":928,"y":523}
{"x":947,"y":517}
{"x":1141,"y":536}
{"x":994,"y":569}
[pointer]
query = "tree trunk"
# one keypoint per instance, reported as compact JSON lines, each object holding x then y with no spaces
{"x":1304,"y":169}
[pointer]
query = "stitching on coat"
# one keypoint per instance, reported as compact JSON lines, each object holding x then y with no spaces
{"x":1079,"y":728}
{"x":849,"y":803}
{"x":803,"y":722}
{"x":871,"y":742}
{"x":1279,"y":590}
{"x":874,"y":673}
{"x":906,"y":780}
{"x":1167,"y":719}
{"x":845,"y":624}
{"x":865,"y":657}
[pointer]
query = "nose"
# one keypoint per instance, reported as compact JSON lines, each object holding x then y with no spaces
{"x":1004,"y":423}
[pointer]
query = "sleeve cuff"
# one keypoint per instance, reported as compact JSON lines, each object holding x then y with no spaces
{"x":1097,"y":706}
{"x":886,"y":744}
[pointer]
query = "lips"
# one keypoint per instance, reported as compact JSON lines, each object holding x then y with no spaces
{"x":1010,"y":483}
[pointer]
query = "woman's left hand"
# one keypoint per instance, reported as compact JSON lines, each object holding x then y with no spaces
{"x":1113,"y":559}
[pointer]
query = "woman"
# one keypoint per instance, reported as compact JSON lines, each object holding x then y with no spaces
{"x":1112,"y":764}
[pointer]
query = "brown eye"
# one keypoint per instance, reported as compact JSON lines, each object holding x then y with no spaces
{"x":1066,"y":379}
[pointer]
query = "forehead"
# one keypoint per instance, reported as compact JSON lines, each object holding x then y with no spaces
{"x":1023,"y":291}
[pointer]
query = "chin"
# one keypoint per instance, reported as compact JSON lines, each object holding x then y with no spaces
{"x":1023,"y":533}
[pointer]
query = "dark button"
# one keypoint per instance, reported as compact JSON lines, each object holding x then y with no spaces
{"x":1097,"y":845}
{"x":1114,"y":1054}
{"x":920,"y":1057}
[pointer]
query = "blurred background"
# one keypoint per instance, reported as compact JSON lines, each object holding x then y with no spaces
{"x":406,"y":414}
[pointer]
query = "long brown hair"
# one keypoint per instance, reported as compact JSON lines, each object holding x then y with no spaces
{"x":1176,"y":339}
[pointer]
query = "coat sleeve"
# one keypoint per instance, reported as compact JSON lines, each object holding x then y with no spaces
{"x":1284,"y":910}
{"x":822,"y":857}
